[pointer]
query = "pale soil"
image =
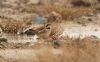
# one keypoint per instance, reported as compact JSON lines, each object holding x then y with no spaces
{"x":74,"y":30}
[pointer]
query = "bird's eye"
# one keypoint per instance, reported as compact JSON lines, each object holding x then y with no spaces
{"x":48,"y":28}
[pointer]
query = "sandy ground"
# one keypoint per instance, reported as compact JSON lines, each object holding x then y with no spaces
{"x":27,"y":54}
{"x":74,"y":30}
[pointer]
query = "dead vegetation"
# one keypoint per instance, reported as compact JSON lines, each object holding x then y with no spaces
{"x":77,"y":50}
{"x":49,"y":50}
{"x":12,"y":26}
{"x":61,"y":14}
{"x":61,"y":8}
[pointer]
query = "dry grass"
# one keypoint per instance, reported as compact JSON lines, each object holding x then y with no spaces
{"x":78,"y":50}
{"x":12,"y":26}
{"x":66,"y":13}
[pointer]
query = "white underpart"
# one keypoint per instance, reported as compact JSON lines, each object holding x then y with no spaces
{"x":81,"y":31}
{"x":35,"y":38}
{"x":24,"y":39}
